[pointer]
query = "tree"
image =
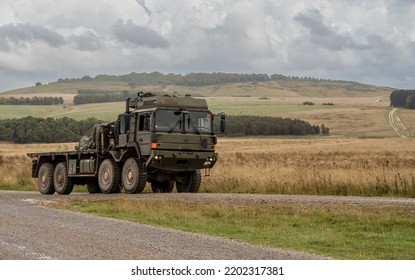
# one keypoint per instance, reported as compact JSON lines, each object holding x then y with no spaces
{"x":325,"y":130}
{"x":399,"y":98}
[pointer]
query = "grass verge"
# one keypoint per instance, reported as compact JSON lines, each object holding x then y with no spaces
{"x":338,"y":231}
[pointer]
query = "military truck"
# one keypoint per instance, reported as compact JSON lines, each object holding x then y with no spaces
{"x":163,"y":140}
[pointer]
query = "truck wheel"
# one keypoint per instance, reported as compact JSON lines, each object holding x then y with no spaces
{"x":45,"y":179}
{"x":93,"y":186}
{"x":162,"y":187}
{"x":63,"y":184}
{"x":190,"y":183}
{"x":133,"y":177}
{"x":109,"y":176}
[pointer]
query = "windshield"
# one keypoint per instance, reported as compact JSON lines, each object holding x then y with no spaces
{"x":183,"y":121}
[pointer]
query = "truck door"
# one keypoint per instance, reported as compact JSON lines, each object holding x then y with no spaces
{"x":144,"y":133}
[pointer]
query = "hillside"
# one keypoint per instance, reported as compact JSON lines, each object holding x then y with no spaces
{"x":359,"y":110}
{"x":207,"y":85}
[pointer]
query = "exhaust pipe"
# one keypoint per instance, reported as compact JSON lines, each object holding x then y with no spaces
{"x":127,"y":105}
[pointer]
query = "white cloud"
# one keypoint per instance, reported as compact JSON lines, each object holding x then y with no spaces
{"x":369,"y":41}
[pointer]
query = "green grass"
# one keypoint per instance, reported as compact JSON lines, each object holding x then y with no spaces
{"x":25,"y":187}
{"x":265,"y":107}
{"x":28,"y":187}
{"x":102,"y":111}
{"x":20,"y":111}
{"x":338,"y":231}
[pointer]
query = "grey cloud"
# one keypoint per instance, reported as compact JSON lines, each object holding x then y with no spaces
{"x":138,"y":35}
{"x":142,"y":3}
{"x":230,"y":46}
{"x":321,"y":34}
{"x":87,"y":41}
{"x":324,"y":36}
{"x":17,"y":34}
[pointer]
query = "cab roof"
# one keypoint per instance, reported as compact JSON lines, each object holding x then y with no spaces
{"x":168,"y":102}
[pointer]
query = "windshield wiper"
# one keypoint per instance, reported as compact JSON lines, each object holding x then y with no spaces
{"x":192,"y":124}
{"x":175,"y":126}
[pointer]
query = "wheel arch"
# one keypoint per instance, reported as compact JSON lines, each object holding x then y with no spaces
{"x":54,"y":160}
{"x":41,"y":160}
{"x":121,"y":157}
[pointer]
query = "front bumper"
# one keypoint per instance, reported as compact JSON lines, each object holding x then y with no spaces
{"x":181,"y":160}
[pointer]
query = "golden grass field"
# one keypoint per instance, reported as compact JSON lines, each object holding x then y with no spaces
{"x":334,"y":166}
{"x":311,"y":165}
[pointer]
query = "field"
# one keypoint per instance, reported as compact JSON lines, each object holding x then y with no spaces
{"x":363,"y":156}
{"x":313,"y":165}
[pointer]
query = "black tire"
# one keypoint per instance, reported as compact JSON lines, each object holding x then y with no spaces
{"x":133,"y":177}
{"x":162,"y":187}
{"x":93,"y":186}
{"x":190,"y":183}
{"x":45,"y":179}
{"x":109,"y":176}
{"x":63,"y":184}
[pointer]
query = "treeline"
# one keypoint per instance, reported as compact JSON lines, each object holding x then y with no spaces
{"x":192,"y":79}
{"x":49,"y":130}
{"x":100,"y":97}
{"x":255,"y":125}
{"x":31,"y":101}
{"x":403,"y":98}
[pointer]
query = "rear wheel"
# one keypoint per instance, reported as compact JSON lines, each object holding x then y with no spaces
{"x":133,"y":177}
{"x":63,"y":184}
{"x":45,"y":179}
{"x":189,"y":181}
{"x":162,"y":187}
{"x":109,"y":176}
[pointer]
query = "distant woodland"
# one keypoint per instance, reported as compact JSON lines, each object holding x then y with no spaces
{"x":135,"y":80}
{"x":50,"y":130}
{"x":44,"y":130}
{"x":403,"y":98}
{"x":255,"y":125}
{"x":191,"y":79}
{"x":100,"y":96}
{"x":31,"y":101}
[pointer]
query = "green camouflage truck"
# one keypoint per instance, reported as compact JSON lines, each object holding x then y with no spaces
{"x":163,"y":140}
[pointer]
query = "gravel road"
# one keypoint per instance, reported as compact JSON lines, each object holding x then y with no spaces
{"x":31,"y":231}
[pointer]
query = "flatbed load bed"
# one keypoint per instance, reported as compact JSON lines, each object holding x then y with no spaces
{"x":63,"y":153}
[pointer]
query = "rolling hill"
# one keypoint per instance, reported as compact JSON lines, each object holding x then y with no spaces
{"x":359,"y":110}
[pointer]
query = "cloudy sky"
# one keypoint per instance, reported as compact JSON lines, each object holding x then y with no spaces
{"x":369,"y":41}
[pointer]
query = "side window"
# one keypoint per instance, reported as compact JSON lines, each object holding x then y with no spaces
{"x":144,"y":122}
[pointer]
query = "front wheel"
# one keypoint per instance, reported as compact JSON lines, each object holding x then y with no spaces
{"x":189,"y":181}
{"x":63,"y":184}
{"x":109,"y":176}
{"x":133,"y":177}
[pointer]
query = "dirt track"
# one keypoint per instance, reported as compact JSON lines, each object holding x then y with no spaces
{"x":31,"y":231}
{"x":397,"y":124}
